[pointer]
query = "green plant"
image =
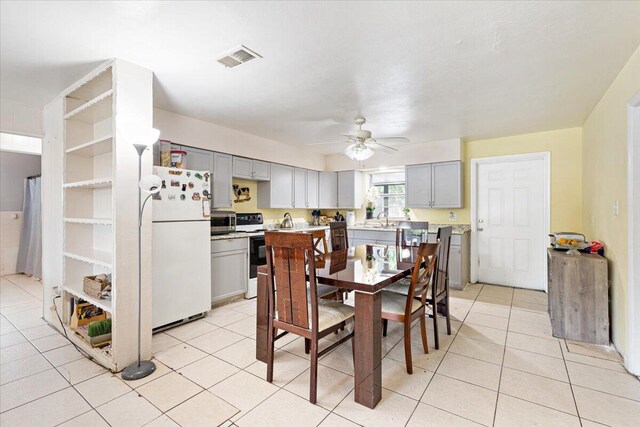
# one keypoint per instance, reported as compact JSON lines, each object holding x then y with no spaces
{"x":101,"y":327}
{"x":406,"y":210}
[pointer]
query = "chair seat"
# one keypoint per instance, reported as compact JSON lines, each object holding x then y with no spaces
{"x":331,"y":313}
{"x":401,"y":287}
{"x":394,"y":303}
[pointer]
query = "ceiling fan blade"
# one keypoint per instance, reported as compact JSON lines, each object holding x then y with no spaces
{"x":394,"y":139}
{"x":384,"y":148}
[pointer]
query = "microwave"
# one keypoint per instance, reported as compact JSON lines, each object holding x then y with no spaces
{"x":223,"y":222}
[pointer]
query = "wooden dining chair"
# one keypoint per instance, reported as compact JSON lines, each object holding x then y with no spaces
{"x":320,"y":249}
{"x":339,"y":235}
{"x":406,"y":309}
{"x":294,"y":310}
{"x":439,"y":299}
{"x":408,"y":233}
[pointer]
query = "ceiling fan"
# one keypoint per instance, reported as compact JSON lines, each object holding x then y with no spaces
{"x":362,"y":144}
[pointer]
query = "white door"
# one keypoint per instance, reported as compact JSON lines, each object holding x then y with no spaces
{"x":511,"y":225}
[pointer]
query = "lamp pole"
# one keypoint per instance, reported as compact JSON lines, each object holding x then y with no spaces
{"x":142,"y":368}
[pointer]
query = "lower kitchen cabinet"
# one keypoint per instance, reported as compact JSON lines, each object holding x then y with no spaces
{"x":229,"y":268}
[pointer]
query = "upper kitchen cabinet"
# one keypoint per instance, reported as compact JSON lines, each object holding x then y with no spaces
{"x":300,"y":188}
{"x":350,"y":189}
{"x":328,"y":190}
{"x":447,"y":185}
{"x":222,"y":180}
{"x":277,"y":193}
{"x":199,"y":160}
{"x":434,"y":185}
{"x":312,"y":189}
{"x":251,"y":169}
{"x":305,"y":189}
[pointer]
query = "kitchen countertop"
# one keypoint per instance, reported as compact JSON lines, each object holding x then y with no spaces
{"x":433,"y":228}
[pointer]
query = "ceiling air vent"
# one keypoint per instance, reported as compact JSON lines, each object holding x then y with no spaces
{"x":236,"y":56}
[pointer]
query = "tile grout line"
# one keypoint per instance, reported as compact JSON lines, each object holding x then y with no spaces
{"x":504,"y":351}
{"x":445,"y":354}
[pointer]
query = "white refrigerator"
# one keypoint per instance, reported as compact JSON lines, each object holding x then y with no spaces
{"x":181,"y":246}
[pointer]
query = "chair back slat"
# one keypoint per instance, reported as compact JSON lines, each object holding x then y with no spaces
{"x":441,"y":279}
{"x":421,"y":276}
{"x":287,"y":257}
{"x":339,"y":236}
{"x":406,"y":230}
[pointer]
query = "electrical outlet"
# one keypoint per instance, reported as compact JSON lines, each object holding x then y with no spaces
{"x":615,"y":208}
{"x":452,"y":216}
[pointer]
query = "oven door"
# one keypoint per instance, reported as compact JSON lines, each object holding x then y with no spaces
{"x":257,"y":255}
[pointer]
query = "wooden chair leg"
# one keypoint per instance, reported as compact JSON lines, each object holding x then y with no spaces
{"x":407,"y":346}
{"x":307,"y":345}
{"x":270,"y":350}
{"x":435,"y":325}
{"x":423,"y":332}
{"x":385,"y":323}
{"x":448,"y":315}
{"x":313,"y":383}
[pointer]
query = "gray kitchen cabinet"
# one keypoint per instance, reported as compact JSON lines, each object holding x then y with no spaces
{"x":251,"y":169}
{"x":418,"y":186}
{"x":222,"y":180}
{"x":350,"y":185}
{"x":261,"y":170}
{"x":312,"y":189}
{"x":199,"y":160}
{"x":300,"y":188}
{"x":242,"y":168}
{"x":434,"y":185}
{"x":328,"y":190}
{"x":277,"y":193}
{"x":229,"y":268}
{"x":447,"y":185}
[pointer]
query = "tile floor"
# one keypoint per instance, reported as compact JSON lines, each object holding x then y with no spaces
{"x":501,"y":366}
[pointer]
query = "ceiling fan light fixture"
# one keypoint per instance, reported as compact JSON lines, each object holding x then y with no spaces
{"x":358,"y":152}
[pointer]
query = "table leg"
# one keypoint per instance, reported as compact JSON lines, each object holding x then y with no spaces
{"x":368,"y":349}
{"x":262,"y":318}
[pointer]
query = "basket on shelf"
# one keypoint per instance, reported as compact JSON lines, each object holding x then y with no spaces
{"x":94,"y":285}
{"x":85,"y":313}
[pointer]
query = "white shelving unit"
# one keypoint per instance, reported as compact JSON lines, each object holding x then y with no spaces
{"x":99,"y":205}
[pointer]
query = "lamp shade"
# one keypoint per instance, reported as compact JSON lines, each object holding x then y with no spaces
{"x":359,"y":152}
{"x":143,"y":136}
{"x":150,"y":184}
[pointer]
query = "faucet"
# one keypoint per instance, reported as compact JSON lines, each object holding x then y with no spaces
{"x":386,"y":215}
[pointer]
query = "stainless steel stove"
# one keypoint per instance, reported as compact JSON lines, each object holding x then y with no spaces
{"x":251,"y":223}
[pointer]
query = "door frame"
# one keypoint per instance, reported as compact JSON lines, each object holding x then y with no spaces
{"x":632,"y":361}
{"x":475,"y":163}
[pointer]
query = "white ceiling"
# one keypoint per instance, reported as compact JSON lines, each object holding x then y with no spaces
{"x":429,"y":71}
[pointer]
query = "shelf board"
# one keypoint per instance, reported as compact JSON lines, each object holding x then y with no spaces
{"x":93,"y":111}
{"x":93,"y":87}
{"x":93,"y":148}
{"x":91,"y":256}
{"x":104,"y":304}
{"x":94,"y":221}
{"x":90,"y":183}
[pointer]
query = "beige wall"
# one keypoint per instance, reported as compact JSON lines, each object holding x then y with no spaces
{"x":604,"y":183}
{"x":200,"y":134}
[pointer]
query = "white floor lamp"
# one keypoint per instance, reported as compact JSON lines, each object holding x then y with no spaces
{"x":149,"y":185}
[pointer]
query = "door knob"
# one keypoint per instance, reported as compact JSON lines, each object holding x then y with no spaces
{"x":480,"y":229}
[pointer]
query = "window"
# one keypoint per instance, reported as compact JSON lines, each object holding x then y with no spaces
{"x":390,"y":185}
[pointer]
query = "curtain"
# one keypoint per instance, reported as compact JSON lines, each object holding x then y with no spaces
{"x":30,"y":250}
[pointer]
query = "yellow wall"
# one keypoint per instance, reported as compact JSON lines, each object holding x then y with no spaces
{"x":269,"y":215}
{"x":566,"y":175}
{"x":605,"y":178}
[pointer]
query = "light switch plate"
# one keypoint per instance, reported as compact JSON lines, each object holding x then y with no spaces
{"x":615,"y":208}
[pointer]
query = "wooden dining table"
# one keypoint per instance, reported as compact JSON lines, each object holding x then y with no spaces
{"x":366,"y":270}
